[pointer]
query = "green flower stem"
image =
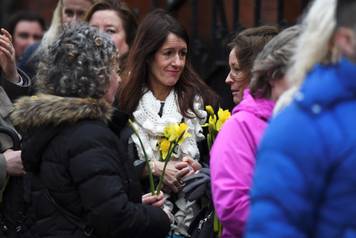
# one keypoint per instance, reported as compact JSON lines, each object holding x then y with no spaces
{"x":217,"y":225}
{"x":150,"y":176}
{"x":209,"y":141}
{"x":167,"y":159}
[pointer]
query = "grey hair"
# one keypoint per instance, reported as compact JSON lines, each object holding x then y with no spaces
{"x":273,"y":61}
{"x":313,"y":47}
{"x":78,"y":64}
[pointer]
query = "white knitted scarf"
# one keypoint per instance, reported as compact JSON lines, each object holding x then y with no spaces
{"x":150,"y":125}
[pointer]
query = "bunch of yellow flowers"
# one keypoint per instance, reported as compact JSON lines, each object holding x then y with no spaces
{"x":174,"y":134}
{"x":215,"y":123}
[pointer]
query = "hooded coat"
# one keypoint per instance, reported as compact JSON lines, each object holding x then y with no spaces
{"x":232,"y":161}
{"x":78,"y":160}
{"x":305,"y":180}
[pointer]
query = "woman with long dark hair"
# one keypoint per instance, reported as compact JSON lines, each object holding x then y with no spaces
{"x":161,"y":87}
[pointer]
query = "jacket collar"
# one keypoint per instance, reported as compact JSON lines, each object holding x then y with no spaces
{"x":327,"y":85}
{"x":44,"y":110}
{"x":261,"y":107}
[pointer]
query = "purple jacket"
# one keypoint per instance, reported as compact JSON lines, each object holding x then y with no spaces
{"x":232,"y":162}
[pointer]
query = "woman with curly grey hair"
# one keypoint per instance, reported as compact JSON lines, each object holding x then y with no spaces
{"x":83,"y":184}
{"x":232,"y":158}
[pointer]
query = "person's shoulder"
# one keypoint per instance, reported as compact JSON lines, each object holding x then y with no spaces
{"x":243,"y":117}
{"x":91,"y":129}
{"x":90,"y":132}
{"x":29,"y":53}
{"x":90,"y":135}
{"x":293,"y":130}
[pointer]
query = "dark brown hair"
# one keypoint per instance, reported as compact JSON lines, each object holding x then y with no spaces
{"x":249,"y":43}
{"x":151,"y":35}
{"x":127,"y":16}
{"x":24,"y":16}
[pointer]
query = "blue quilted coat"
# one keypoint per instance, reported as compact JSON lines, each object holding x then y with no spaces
{"x":305,"y":180}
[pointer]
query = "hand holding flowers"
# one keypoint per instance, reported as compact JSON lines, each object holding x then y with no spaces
{"x":174,"y":135}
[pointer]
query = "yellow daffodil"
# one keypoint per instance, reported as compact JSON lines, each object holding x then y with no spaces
{"x":215,"y":123}
{"x":183,"y":132}
{"x":173,"y":135}
{"x":212,"y":121}
{"x":223,"y":116}
{"x":164,"y":146}
{"x":209,"y":109}
{"x":171,"y":132}
{"x":174,"y":132}
{"x":183,"y":137}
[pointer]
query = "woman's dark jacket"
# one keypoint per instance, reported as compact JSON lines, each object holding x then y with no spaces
{"x":74,"y":156}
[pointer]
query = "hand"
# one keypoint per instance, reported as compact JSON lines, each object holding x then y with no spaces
{"x":14,"y":165}
{"x":187,"y":167}
{"x":192,"y":162}
{"x":170,"y":177}
{"x":153,"y":200}
{"x":7,"y":57}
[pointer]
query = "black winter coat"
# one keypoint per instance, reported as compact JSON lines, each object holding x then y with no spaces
{"x":75,"y":157}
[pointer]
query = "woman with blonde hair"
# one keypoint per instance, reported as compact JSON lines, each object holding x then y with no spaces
{"x":305,"y":180}
{"x":66,"y":12}
{"x":313,"y":46}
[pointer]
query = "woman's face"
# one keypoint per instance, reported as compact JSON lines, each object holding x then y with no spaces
{"x":108,"y":21}
{"x":167,"y":65}
{"x":237,"y":79}
{"x":74,"y":10}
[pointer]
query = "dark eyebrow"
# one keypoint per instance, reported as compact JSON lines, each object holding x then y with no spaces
{"x":171,"y":48}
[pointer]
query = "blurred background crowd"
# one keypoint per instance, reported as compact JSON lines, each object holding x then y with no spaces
{"x":210,"y":24}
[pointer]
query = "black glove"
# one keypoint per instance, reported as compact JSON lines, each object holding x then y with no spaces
{"x":197,"y":185}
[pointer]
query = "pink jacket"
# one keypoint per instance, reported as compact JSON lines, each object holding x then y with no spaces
{"x":232,"y":162}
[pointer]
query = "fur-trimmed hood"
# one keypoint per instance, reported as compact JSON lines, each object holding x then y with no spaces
{"x":45,"y":110}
